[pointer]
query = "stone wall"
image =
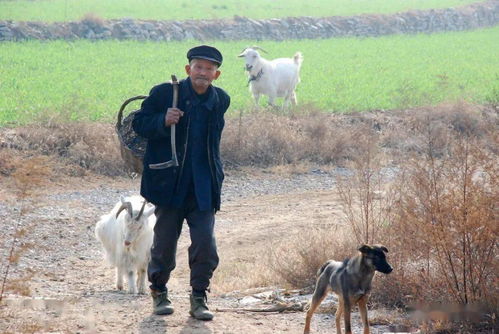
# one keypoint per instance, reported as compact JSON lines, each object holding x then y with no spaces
{"x":482,"y":14}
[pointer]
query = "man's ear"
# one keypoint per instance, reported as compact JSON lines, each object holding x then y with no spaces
{"x":188,"y":69}
{"x":364,"y":249}
{"x":217,"y":74}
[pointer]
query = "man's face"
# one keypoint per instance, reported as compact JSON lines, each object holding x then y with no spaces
{"x":202,"y":72}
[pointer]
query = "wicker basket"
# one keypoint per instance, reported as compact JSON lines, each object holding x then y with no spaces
{"x":132,"y":146}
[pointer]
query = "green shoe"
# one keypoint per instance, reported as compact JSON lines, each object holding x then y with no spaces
{"x":199,"y":309}
{"x":160,"y":303}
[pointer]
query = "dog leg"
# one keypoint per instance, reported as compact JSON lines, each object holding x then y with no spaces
{"x":339,"y":313}
{"x":319,"y":294}
{"x":363,"y":313}
{"x":347,"y":309}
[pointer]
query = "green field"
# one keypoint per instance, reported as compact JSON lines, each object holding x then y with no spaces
{"x":89,"y":80}
{"x":71,"y":10}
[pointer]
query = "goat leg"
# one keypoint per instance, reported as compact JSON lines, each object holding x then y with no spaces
{"x":132,"y":287}
{"x":141,"y":280}
{"x":119,"y":278}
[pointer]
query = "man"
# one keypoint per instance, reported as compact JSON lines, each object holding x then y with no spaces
{"x":190,"y":191}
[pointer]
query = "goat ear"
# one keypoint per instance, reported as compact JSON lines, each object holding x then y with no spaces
{"x":149,"y":210}
{"x":364,"y":249}
{"x":258,"y":48}
{"x":241,"y":55}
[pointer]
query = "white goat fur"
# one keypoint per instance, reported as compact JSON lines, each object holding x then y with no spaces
{"x":278,"y":77}
{"x":127,"y":241}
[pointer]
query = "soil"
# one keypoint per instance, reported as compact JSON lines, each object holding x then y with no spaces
{"x":71,"y":289}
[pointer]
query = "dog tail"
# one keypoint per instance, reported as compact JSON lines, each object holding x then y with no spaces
{"x":321,"y":270}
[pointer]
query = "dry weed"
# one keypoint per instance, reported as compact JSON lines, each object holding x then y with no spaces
{"x":29,"y":177}
{"x":444,"y":223}
{"x":261,"y":139}
{"x":12,"y":324}
{"x":362,"y":192}
{"x":232,"y":276}
{"x":448,"y":199}
{"x":78,"y":146}
{"x":93,"y":20}
{"x":266,"y":139}
{"x":295,"y":260}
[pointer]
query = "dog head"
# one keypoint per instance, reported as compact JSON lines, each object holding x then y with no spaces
{"x":375,"y":258}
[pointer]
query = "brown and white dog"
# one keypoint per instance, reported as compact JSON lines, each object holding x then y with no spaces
{"x":351,"y":281}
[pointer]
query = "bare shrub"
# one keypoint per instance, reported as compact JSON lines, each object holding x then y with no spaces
{"x":295,"y":261}
{"x":261,"y":139}
{"x":328,"y":140}
{"x":28,"y":178}
{"x":366,"y":200}
{"x":445,"y":217}
{"x":362,"y":191}
{"x":81,"y":145}
{"x":93,"y":20}
{"x":8,"y":159}
{"x":238,"y":273}
{"x":264,"y":139}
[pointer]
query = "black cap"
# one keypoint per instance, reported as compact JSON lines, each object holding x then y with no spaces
{"x":205,"y":52}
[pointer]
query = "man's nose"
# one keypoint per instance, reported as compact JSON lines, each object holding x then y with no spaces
{"x":202,"y":70}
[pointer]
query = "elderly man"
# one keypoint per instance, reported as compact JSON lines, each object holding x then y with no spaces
{"x":192,"y":190}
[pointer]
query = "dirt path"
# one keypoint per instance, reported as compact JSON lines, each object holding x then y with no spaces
{"x":72,"y":288}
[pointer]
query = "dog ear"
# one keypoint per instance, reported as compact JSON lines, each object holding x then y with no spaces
{"x":384,"y":249}
{"x":364,"y":249}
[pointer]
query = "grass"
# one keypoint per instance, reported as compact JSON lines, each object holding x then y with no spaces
{"x":71,"y":10}
{"x":89,"y":80}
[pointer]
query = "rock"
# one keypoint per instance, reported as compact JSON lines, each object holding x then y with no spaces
{"x":475,"y":15}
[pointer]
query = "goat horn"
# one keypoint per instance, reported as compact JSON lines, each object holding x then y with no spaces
{"x":258,"y":48}
{"x":141,"y":210}
{"x":127,"y":206}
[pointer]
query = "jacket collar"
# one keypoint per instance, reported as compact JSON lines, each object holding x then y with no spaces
{"x":186,"y":91}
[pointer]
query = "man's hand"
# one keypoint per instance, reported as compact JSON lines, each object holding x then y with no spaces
{"x":173,"y":116}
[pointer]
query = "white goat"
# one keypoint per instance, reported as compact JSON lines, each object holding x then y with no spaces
{"x":126,"y":235}
{"x":275,"y":78}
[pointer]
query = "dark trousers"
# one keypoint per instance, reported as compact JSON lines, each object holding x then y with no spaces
{"x":203,"y":257}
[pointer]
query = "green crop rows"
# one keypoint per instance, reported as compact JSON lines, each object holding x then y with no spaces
{"x":90,"y":80}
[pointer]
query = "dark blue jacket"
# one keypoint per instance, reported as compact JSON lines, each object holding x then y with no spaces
{"x":160,"y":186}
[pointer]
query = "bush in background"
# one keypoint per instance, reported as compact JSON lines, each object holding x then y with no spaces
{"x":446,"y":213}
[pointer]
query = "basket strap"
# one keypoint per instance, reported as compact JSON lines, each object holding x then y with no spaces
{"x":120,"y":113}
